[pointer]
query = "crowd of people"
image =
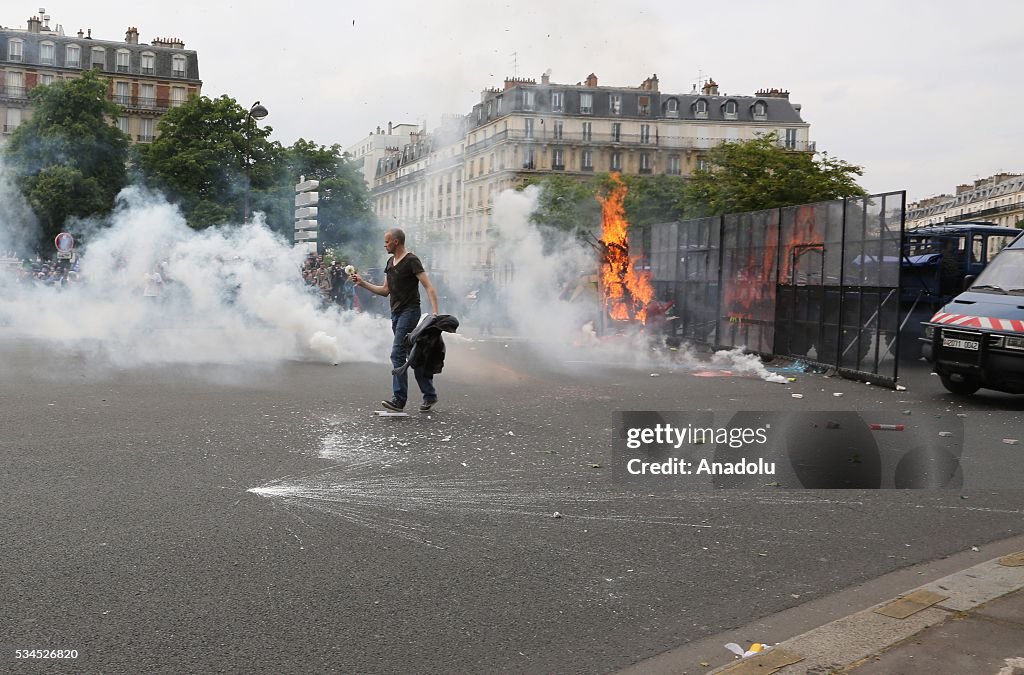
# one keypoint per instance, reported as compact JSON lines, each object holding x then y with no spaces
{"x":331,"y":280}
{"x":59,"y":273}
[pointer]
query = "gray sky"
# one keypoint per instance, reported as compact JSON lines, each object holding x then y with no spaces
{"x":922,"y":94}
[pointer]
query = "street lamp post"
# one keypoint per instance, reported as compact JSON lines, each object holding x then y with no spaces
{"x":256,"y":112}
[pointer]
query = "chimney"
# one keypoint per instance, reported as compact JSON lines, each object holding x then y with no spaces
{"x":710,"y":88}
{"x":773,"y":93}
{"x":81,"y":34}
{"x":89,"y":35}
{"x":34,"y":24}
{"x":131,"y":36}
{"x":591,"y":80}
{"x":960,"y":189}
{"x":389,"y":128}
{"x":545,"y":78}
{"x":651,"y":83}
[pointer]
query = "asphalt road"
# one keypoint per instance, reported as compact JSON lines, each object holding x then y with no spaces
{"x":261,"y":519}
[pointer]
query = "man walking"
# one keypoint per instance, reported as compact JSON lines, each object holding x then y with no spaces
{"x":402,"y":276}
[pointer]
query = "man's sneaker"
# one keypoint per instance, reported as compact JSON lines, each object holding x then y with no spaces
{"x":393,"y":404}
{"x":427,"y":405}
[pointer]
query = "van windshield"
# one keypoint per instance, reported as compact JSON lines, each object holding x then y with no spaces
{"x":1005,"y":274}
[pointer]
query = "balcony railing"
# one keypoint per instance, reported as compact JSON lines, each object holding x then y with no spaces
{"x":623,"y":139}
{"x":7,"y":91}
{"x":14,"y":58}
{"x":145,"y":138}
{"x":143,"y":102}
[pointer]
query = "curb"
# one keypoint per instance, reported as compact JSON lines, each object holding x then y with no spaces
{"x":849,"y":640}
{"x":705,"y":654}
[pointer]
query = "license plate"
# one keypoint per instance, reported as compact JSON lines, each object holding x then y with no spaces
{"x":954,"y":343}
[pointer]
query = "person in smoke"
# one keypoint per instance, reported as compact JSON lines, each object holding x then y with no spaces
{"x":403,"y":275}
{"x":154,"y":285}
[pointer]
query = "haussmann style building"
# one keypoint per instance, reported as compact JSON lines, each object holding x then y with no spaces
{"x":441,"y":185}
{"x":146,"y":80}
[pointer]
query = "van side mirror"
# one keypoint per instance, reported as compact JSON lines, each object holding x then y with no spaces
{"x":968,"y":280}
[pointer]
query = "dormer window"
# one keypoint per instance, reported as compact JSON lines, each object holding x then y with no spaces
{"x":760,"y":111}
{"x":73,"y":56}
{"x":148,"y":61}
{"x":99,"y":58}
{"x":123,"y":60}
{"x":47,"y":54}
{"x":14,"y":50}
{"x":527,"y":99}
{"x":178,"y":66}
{"x":700,"y":109}
{"x":730,"y":109}
{"x":672,"y":108}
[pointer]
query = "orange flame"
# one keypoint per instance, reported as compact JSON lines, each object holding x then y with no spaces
{"x":627,"y":292}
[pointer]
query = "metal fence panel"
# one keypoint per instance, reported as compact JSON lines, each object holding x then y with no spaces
{"x":816,"y":281}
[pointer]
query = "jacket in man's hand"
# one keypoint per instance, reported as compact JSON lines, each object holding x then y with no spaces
{"x":426,"y":344}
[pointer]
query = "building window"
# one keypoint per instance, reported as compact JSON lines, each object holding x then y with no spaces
{"x":122,"y":124}
{"x":616,"y":131}
{"x":615,"y":104}
{"x":529,"y":127}
{"x":645,"y":162}
{"x":644,"y":105}
{"x":557,"y":129}
{"x":123,"y":60}
{"x":178,"y":66}
{"x":587,"y":163}
{"x":673,"y":166}
{"x":13,"y":119}
{"x":177,"y":96}
{"x":730,"y":109}
{"x":556,"y":101}
{"x":16,"y":85}
{"x":702,"y":164}
{"x":147,"y":95}
{"x":497,"y":104}
{"x":586,"y":104}
{"x":47,"y":54}
{"x":148,"y":63}
{"x":558,"y":159}
{"x":587,"y":130}
{"x":14,"y":50}
{"x":760,"y":111}
{"x":791,"y":139}
{"x":73,"y":56}
{"x":527,"y":99}
{"x":700,"y":109}
{"x":45,"y":78}
{"x":672,"y":108}
{"x":146,"y":129}
{"x":645,"y":133}
{"x":528,"y":158}
{"x":99,"y":58}
{"x":122,"y":93}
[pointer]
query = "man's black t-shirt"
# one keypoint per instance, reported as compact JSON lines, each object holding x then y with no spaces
{"x":402,"y":282}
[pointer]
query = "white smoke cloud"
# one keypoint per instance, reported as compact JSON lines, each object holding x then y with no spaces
{"x":230,"y":295}
{"x":18,"y":226}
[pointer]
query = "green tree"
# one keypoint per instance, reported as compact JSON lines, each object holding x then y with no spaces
{"x":565,"y":204}
{"x":69,"y":157}
{"x":208,"y":155}
{"x":759,"y":174}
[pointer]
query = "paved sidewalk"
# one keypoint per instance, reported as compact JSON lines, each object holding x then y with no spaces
{"x":968,"y":622}
{"x":953,"y":616}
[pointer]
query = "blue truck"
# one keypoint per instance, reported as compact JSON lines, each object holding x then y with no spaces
{"x":976,"y":340}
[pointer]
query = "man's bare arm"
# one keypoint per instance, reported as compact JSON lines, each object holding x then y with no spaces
{"x":429,"y":287}
{"x":373,"y":288}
